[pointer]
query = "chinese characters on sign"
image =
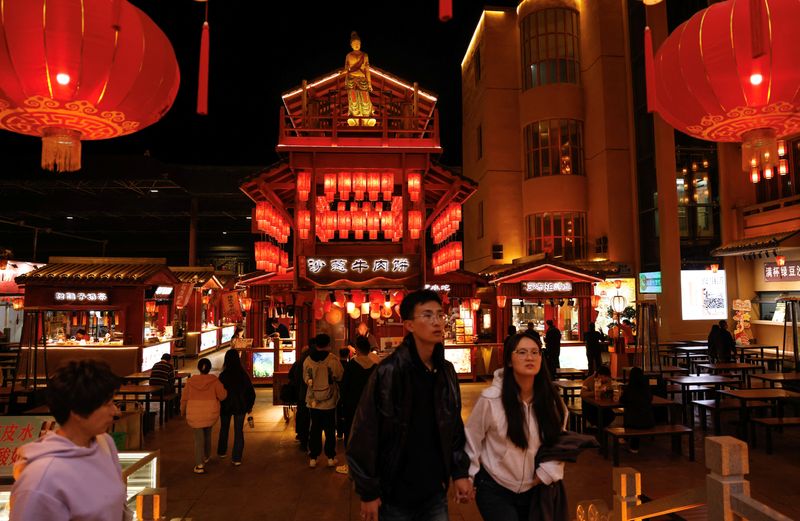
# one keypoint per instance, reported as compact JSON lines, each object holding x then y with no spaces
{"x":85,"y":297}
{"x":788,"y":272}
{"x":547,"y":287}
{"x":359,"y":268}
{"x":16,"y":431}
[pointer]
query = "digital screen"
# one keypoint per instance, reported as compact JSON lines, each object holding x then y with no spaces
{"x":650,"y":282}
{"x":703,"y":295}
{"x":461,"y":358}
{"x":263,"y":365}
{"x":208,"y":339}
{"x":227,"y":334}
{"x":163,"y":291}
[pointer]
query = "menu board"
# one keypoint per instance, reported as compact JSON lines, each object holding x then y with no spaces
{"x":460,"y":357}
{"x":263,"y":364}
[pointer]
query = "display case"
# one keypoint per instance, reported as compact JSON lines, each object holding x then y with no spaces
{"x":140,"y":470}
{"x":461,"y":358}
{"x":226,"y":334}
{"x":152,"y":354}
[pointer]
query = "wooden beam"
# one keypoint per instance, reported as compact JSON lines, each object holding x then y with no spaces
{"x":685,"y":500}
{"x":443,"y":202}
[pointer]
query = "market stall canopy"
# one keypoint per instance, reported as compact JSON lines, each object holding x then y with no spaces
{"x":93,"y":270}
{"x":758,"y":245}
{"x":260,"y":278}
{"x":12,"y":270}
{"x":199,"y":276}
{"x":543,"y":270}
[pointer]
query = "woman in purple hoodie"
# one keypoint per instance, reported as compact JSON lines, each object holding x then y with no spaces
{"x":73,"y":473}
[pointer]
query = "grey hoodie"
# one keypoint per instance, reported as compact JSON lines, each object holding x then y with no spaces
{"x":60,"y":481}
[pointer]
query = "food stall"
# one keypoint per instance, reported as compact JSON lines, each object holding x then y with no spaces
{"x":12,"y":299}
{"x":122,"y":305}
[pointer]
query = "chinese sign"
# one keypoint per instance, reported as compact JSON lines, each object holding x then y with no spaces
{"x":16,"y":431}
{"x":230,"y":306}
{"x":82,"y":297}
{"x":790,"y":271}
{"x":439,"y":288}
{"x":359,"y":268}
{"x":547,"y":287}
{"x":183,"y":293}
{"x":703,"y":295}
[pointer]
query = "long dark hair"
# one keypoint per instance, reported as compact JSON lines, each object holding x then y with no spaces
{"x":546,"y":404}
{"x":232,"y":371}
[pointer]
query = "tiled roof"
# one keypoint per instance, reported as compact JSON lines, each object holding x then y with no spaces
{"x":755,"y":244}
{"x":91,"y":272}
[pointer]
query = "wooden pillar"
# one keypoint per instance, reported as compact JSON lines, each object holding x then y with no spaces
{"x":727,"y":461}
{"x":627,"y":484}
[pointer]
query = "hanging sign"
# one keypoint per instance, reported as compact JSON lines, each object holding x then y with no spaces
{"x":328,"y":269}
{"x":231,"y":309}
{"x":790,"y":271}
{"x":16,"y":431}
{"x":183,"y":292}
{"x":81,"y":297}
{"x":548,"y":287}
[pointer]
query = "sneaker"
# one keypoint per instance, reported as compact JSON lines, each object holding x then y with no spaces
{"x":343,"y":469}
{"x":222,"y":456}
{"x":236,"y":463}
{"x":332,"y":462}
{"x":312,"y":463}
{"x":199,"y":469}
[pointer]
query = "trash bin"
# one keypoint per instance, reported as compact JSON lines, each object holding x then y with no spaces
{"x":120,"y":440}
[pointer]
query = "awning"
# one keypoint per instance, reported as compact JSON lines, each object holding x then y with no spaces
{"x":543,"y":270}
{"x":198,"y":276}
{"x":262,"y":278}
{"x":96,"y":270}
{"x":760,"y":244}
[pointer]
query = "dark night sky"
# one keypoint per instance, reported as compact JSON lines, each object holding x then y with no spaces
{"x":261,"y":48}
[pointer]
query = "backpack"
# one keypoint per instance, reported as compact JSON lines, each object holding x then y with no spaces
{"x":322,"y":387}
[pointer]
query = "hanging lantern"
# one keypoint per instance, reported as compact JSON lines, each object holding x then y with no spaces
{"x":246,"y":303}
{"x":387,"y":185}
{"x":783,"y":167}
{"x":329,"y":186}
{"x":445,"y":10}
{"x":714,"y":268}
{"x":414,"y":223}
{"x":359,"y":185}
{"x":17,"y":303}
{"x":373,"y":185}
{"x":618,"y":303}
{"x":595,"y":301}
{"x":414,"y":186}
{"x":755,"y":175}
{"x":365,"y":308}
{"x":303,"y":223}
{"x":150,"y":306}
{"x":373,"y":224}
{"x":358,"y":221}
{"x":617,"y":283}
{"x":81,"y":71}
{"x":767,"y":172}
{"x":345,"y":185}
{"x":501,"y":301}
{"x":303,"y":185}
{"x":475,"y":304}
{"x":349,"y":307}
{"x":356,"y":313}
{"x":780,"y":260}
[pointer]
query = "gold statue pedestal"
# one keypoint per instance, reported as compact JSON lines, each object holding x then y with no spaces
{"x":365,"y":122}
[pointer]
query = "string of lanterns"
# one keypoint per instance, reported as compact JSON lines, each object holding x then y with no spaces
{"x":448,"y":258}
{"x":358,"y":218}
{"x":271,"y":222}
{"x":447,"y":223}
{"x":270,"y":257}
{"x":375,"y":303}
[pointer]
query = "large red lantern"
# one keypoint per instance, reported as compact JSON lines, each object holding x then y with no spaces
{"x":729,"y":74}
{"x":71,"y":71}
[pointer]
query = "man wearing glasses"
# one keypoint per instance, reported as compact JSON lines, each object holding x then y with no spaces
{"x":407,"y":438}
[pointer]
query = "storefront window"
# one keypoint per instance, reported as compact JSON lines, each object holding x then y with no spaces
{"x":554,"y":147}
{"x":562,"y":311}
{"x":695,"y":201}
{"x":562,"y":235}
{"x":550,"y":41}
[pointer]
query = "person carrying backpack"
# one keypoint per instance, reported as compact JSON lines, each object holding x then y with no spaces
{"x":321,"y":371}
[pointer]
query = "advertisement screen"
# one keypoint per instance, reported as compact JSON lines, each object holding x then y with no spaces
{"x":650,"y":282}
{"x":703,"y":295}
{"x":263,"y":365}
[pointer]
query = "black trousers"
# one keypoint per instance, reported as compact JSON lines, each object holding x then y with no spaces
{"x":302,"y":420}
{"x":322,"y":420}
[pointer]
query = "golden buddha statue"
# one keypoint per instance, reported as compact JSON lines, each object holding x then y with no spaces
{"x":358,"y":84}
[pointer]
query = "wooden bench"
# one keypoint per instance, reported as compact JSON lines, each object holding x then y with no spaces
{"x":769,"y":424}
{"x":715,"y":407}
{"x":673,"y":431}
{"x":577,"y":422}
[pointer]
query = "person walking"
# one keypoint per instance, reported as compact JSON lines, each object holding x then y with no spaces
{"x":322,"y":370}
{"x":356,"y":374}
{"x":512,"y":419}
{"x":552,"y":353}
{"x":239,"y":402}
{"x":637,"y":401}
{"x":302,"y":419}
{"x":200,"y":404}
{"x":74,"y":472}
{"x":407,"y":438}
{"x":594,"y":348}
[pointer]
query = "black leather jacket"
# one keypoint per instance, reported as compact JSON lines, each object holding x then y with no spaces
{"x":380,"y":426}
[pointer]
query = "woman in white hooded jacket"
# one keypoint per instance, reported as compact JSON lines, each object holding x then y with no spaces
{"x":512,"y":418}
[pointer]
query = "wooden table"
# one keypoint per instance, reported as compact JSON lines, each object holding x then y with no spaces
{"x":569,"y":388}
{"x":705,"y":380}
{"x":146,"y":391}
{"x":748,"y":395}
{"x":733,"y":367}
{"x":774,"y":378}
{"x":689,"y":352}
{"x":137,"y":378}
{"x":742,"y":352}
{"x":569,"y":373}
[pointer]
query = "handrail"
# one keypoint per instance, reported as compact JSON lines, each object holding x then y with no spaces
{"x":771,"y":205}
{"x":139,"y":464}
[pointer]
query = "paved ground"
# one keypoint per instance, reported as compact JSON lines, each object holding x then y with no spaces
{"x":275,"y":483}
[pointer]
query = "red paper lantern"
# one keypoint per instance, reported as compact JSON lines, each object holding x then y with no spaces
{"x":150,"y":306}
{"x":329,"y":186}
{"x":344,"y":221}
{"x":475,"y":304}
{"x":359,"y":185}
{"x":780,"y":260}
{"x":303,"y":223}
{"x":729,"y":74}
{"x":373,"y":185}
{"x":414,"y":186}
{"x":595,"y":301}
{"x":81,"y":70}
{"x":345,"y":185}
{"x":17,"y":303}
{"x":387,"y":185}
{"x":358,"y":221}
{"x":303,"y":185}
{"x":414,"y":223}
{"x":246,"y":303}
{"x":501,"y":301}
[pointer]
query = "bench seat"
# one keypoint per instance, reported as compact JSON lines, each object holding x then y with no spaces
{"x":770,"y":424}
{"x":673,"y":431}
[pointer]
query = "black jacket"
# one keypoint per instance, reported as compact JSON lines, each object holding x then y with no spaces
{"x":354,"y":381}
{"x":241,"y":393}
{"x":378,"y":435}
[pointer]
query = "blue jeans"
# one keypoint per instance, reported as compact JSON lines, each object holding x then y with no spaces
{"x":497,"y":503}
{"x":238,"y":435}
{"x":434,"y":509}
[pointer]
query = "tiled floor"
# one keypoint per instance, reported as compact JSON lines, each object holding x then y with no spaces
{"x":275,"y":483}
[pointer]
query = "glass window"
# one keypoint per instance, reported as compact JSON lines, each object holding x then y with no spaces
{"x":549,"y":43}
{"x":561,"y":235}
{"x":695,"y":198}
{"x":782,"y":185}
{"x":554,"y":147}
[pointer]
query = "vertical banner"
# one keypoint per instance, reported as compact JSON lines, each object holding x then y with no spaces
{"x":183,"y":292}
{"x":230,"y":306}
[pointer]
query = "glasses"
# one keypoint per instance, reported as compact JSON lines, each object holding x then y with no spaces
{"x":430,"y":317}
{"x":525,"y":353}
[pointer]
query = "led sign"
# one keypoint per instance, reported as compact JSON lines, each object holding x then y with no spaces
{"x":82,"y":297}
{"x":548,"y":287}
{"x":358,"y":265}
{"x":163,"y":291}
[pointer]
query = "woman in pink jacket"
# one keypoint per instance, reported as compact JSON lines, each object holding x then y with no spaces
{"x":200,"y":403}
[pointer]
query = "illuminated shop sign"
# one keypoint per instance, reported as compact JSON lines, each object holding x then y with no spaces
{"x":547,"y":287}
{"x":790,"y":271}
{"x":163,"y":291}
{"x":650,"y":282}
{"x":82,"y":297}
{"x":359,"y":268}
{"x":438,"y":287}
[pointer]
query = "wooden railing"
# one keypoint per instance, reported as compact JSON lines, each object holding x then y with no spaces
{"x":726,"y":494}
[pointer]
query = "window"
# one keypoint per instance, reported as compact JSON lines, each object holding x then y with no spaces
{"x":549,"y":43}
{"x":696,"y":203}
{"x":560,"y":235}
{"x":480,"y":220}
{"x":479,"y":136}
{"x":554,"y":147}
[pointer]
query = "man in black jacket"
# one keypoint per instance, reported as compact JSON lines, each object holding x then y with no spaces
{"x":407,"y":438}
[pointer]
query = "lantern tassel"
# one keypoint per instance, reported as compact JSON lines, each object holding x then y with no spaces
{"x":202,"y":77}
{"x":61,"y":150}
